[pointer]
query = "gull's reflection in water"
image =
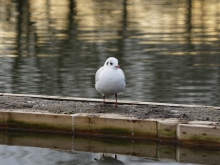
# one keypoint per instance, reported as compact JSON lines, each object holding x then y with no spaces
{"x":108,"y":159}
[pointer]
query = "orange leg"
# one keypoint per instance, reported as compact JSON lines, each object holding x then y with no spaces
{"x":116,"y":97}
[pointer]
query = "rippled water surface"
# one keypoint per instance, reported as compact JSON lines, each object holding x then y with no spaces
{"x":38,"y":148}
{"x":18,"y":155}
{"x":169,"y":50}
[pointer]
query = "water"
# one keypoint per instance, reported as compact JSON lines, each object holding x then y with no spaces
{"x":19,"y":155}
{"x":169,"y":50}
{"x":18,"y":148}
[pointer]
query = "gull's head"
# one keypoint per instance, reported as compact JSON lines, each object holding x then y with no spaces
{"x":112,"y":63}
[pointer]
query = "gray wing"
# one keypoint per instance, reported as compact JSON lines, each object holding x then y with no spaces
{"x":98,"y":73}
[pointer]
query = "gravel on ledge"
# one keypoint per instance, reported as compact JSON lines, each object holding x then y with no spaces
{"x":183,"y":114}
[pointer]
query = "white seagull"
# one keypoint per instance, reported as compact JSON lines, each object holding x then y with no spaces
{"x":110,"y":79}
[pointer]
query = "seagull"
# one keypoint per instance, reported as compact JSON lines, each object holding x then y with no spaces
{"x":110,"y":79}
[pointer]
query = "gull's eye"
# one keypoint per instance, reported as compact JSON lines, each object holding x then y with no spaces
{"x":111,"y":63}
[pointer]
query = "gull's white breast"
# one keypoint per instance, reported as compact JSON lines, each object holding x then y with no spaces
{"x":109,"y":81}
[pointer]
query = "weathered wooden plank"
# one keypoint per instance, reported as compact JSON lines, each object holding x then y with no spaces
{"x":97,"y":124}
{"x":115,"y":125}
{"x":40,"y":121}
{"x":144,"y":128}
{"x":167,"y":129}
{"x":3,"y":119}
{"x":199,"y":134}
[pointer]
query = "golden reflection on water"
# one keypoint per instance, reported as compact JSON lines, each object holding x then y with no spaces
{"x":150,"y":39}
{"x":209,"y":65}
{"x":37,"y":22}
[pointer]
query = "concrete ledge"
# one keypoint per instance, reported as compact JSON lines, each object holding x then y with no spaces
{"x":200,"y":133}
{"x":100,"y":100}
{"x":172,"y":130}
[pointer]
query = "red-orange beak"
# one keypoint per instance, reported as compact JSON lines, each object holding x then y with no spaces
{"x":117,"y":66}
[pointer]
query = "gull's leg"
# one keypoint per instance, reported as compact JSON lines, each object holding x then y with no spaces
{"x":116,"y":96}
{"x":103,"y":100}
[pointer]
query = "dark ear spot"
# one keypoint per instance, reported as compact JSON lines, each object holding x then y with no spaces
{"x":107,"y":63}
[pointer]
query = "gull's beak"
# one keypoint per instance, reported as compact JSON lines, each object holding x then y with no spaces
{"x":117,"y":66}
